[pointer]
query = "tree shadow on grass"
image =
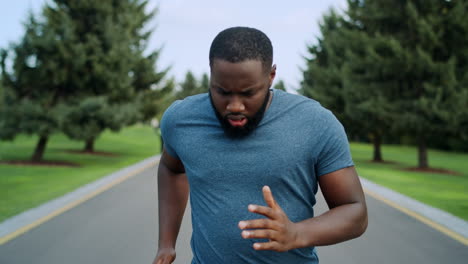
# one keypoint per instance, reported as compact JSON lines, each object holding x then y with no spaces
{"x":433,"y":170}
{"x":385,"y":162}
{"x":415,"y":169}
{"x":44,"y":163}
{"x":95,"y":153}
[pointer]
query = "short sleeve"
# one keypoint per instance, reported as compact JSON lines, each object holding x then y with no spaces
{"x":168,"y":124}
{"x":335,"y":153}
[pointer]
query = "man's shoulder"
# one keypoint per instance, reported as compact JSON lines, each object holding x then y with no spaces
{"x":192,"y":104}
{"x":182,"y":115}
{"x":302,"y":106}
{"x":197,"y":101}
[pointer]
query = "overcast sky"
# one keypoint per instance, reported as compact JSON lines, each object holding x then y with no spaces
{"x":186,"y":28}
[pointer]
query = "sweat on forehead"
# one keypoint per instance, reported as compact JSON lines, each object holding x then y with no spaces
{"x":239,"y":44}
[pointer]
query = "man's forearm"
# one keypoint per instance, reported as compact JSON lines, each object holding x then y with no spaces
{"x":173,"y":190}
{"x":337,"y":225}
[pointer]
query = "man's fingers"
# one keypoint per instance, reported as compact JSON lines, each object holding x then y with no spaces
{"x":260,"y":233}
{"x":258,"y":224}
{"x":263,"y":210}
{"x":165,"y":260}
{"x":272,"y":245}
{"x":268,"y":196}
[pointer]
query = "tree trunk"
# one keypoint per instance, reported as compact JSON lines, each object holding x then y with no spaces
{"x":40,"y":149}
{"x":377,"y":141}
{"x":89,"y":147}
{"x":422,"y":154}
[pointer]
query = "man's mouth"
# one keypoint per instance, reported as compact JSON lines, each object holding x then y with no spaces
{"x":237,"y":121}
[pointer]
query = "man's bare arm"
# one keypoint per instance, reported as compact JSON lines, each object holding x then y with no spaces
{"x":173,"y":190}
{"x":346,"y":219}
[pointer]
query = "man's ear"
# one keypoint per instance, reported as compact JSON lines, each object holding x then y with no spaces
{"x":272,"y":74}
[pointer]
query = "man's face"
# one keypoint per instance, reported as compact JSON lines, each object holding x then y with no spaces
{"x":239,"y":93}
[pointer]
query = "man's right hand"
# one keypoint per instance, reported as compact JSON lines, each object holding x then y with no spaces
{"x":165,"y":256}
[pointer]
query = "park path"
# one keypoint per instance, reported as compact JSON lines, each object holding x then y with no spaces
{"x":119,"y":226}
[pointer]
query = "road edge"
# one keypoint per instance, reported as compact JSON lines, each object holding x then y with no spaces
{"x":19,"y":224}
{"x":438,"y":219}
{"x":15,"y":226}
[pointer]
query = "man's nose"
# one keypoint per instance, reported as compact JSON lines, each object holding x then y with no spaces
{"x":235,"y":105}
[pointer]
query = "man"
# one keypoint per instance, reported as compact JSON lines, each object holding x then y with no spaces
{"x":253,"y":158}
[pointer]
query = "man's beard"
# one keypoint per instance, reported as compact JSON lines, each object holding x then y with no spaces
{"x":252,"y":122}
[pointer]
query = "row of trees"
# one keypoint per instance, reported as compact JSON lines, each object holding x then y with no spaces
{"x":395,"y":69}
{"x":80,"y":68}
{"x":191,"y":85}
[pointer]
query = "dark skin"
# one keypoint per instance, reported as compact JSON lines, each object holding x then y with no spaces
{"x":346,"y":219}
{"x":173,"y":190}
{"x":241,"y":88}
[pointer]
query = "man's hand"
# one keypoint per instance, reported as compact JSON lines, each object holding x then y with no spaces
{"x":281,"y":232}
{"x":165,"y":256}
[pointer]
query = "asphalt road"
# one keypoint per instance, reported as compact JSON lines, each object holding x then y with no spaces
{"x":120,"y":226}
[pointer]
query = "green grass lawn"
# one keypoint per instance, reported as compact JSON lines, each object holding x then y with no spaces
{"x":445,"y":191}
{"x":24,"y":187}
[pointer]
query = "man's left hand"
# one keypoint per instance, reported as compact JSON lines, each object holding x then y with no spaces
{"x":277,"y":228}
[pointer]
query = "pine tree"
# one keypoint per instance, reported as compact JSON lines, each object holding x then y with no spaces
{"x":164,"y":98}
{"x":323,"y":75}
{"x":321,"y":78}
{"x":82,"y":69}
{"x":411,"y":58}
{"x":366,"y":88}
{"x":33,"y":88}
{"x":190,"y":86}
{"x":280,"y":85}
{"x":455,"y":37}
{"x":204,"y":83}
{"x":393,"y":67}
{"x":118,"y":74}
{"x":2,"y":97}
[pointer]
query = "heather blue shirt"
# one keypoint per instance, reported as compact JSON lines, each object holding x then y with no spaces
{"x":296,"y":142}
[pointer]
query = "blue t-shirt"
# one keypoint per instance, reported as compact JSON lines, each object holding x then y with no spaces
{"x":296,"y":142}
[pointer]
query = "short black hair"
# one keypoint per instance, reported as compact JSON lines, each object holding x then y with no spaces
{"x":239,"y":44}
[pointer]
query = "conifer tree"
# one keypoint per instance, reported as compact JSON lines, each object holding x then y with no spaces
{"x":204,"y":83}
{"x":122,"y":79}
{"x":34,"y":87}
{"x":366,"y":89}
{"x":321,"y":78}
{"x":455,"y":37}
{"x":410,"y":60}
{"x":2,"y":97}
{"x":165,"y":97}
{"x":323,"y":75}
{"x":90,"y":57}
{"x":280,"y":85}
{"x":394,"y":66}
{"x":190,"y":86}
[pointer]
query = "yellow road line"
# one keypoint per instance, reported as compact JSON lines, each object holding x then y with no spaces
{"x":59,"y":211}
{"x":71,"y":205}
{"x":419,"y":217}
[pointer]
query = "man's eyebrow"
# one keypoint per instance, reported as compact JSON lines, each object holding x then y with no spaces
{"x":215,"y":85}
{"x":248,"y":90}
{"x":251,"y":88}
